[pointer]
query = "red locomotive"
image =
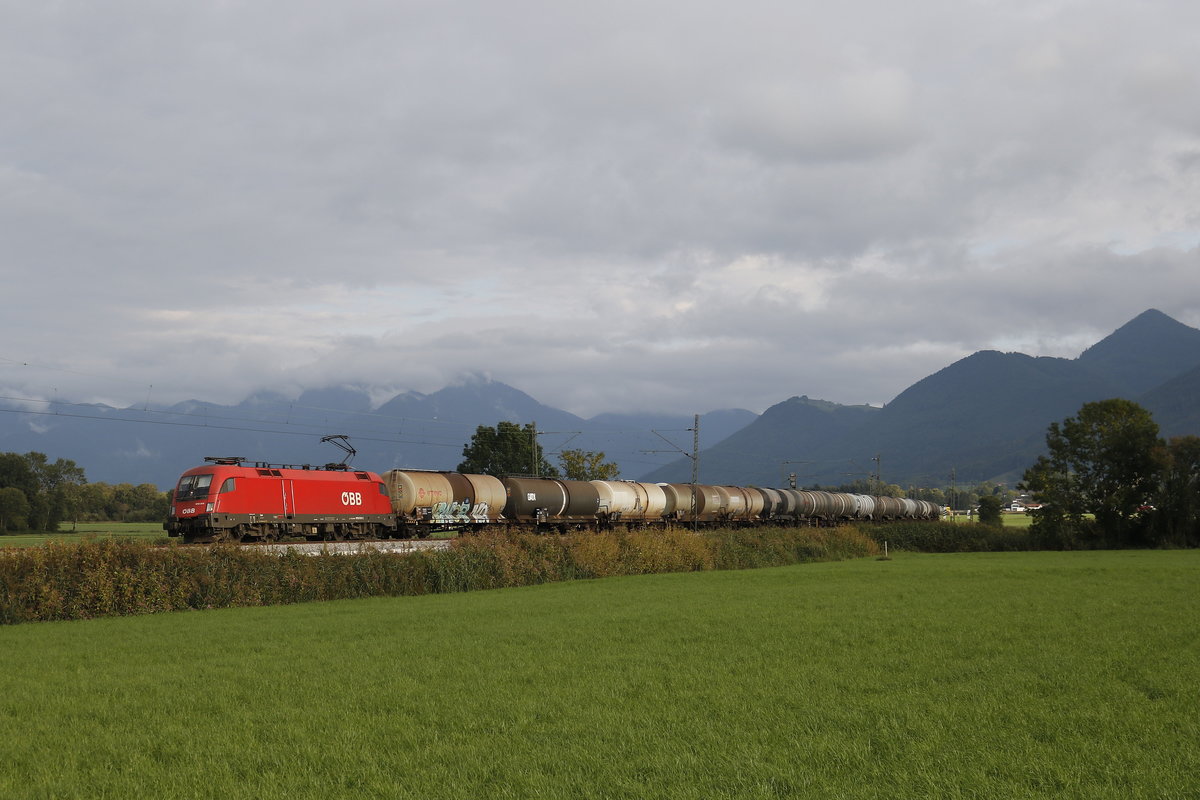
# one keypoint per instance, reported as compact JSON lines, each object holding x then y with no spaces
{"x":228,"y":501}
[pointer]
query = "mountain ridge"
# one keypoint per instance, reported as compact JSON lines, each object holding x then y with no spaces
{"x":983,"y":417}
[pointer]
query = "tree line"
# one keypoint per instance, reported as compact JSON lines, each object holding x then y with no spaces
{"x":1109,"y":480}
{"x":43,"y":495}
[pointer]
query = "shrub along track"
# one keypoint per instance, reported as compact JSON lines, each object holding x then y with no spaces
{"x":115,"y":577}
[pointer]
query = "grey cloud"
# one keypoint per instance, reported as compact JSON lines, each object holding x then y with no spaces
{"x":607,"y":205}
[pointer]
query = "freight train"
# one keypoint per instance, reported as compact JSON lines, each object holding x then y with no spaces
{"x":228,"y":500}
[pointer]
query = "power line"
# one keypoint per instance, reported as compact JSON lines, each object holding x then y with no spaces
{"x":210,"y":426}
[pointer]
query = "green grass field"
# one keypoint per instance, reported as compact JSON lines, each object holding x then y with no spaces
{"x":1056,"y":675}
{"x":69,"y":533}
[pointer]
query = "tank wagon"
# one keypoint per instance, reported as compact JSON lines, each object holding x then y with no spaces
{"x":226,"y":500}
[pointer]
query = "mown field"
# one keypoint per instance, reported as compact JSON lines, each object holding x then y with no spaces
{"x":150,"y":531}
{"x":1057,"y":675}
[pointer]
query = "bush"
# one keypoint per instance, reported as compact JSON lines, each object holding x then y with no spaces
{"x":944,"y":537}
{"x":113,"y":577}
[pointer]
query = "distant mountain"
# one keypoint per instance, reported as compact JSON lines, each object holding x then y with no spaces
{"x":981,"y":418}
{"x":351,"y":399}
{"x":411,"y":430}
{"x":1145,"y":352}
{"x":781,"y":441}
{"x":1176,"y":405}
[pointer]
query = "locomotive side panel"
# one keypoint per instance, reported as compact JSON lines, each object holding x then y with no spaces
{"x":229,"y":501}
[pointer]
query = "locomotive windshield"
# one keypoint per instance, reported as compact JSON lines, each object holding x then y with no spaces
{"x":193,"y":486}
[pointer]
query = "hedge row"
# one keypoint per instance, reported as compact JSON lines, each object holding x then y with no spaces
{"x":941,"y":537}
{"x":114,"y":577}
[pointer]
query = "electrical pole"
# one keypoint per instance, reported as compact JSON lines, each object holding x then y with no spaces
{"x":790,"y":478}
{"x":953,"y":496}
{"x":695,"y":466}
{"x":694,"y":456}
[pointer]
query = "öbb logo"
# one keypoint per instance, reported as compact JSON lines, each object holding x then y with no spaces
{"x":352,"y":498}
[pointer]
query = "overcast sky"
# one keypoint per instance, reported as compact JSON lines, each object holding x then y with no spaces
{"x":618,"y":206}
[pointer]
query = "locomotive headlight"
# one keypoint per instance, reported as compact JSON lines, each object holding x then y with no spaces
{"x":209,"y":508}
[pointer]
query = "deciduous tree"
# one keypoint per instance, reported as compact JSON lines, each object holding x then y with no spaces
{"x":14,"y":509}
{"x":1100,"y":462}
{"x":587,"y":465}
{"x":48,"y":486}
{"x":989,"y":510}
{"x":507,"y":449}
{"x":1175,"y":519}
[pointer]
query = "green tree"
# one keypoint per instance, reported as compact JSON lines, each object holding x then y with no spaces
{"x":16,"y":473}
{"x":1175,"y":520}
{"x":56,"y":482}
{"x":935,"y":495}
{"x":14,"y":509}
{"x":587,"y":465}
{"x":93,"y":501}
{"x":507,"y":449}
{"x":989,"y":510}
{"x":148,"y":503}
{"x":1100,"y":462}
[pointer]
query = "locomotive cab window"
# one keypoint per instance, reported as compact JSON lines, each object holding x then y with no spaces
{"x":193,"y":486}
{"x":227,"y":486}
